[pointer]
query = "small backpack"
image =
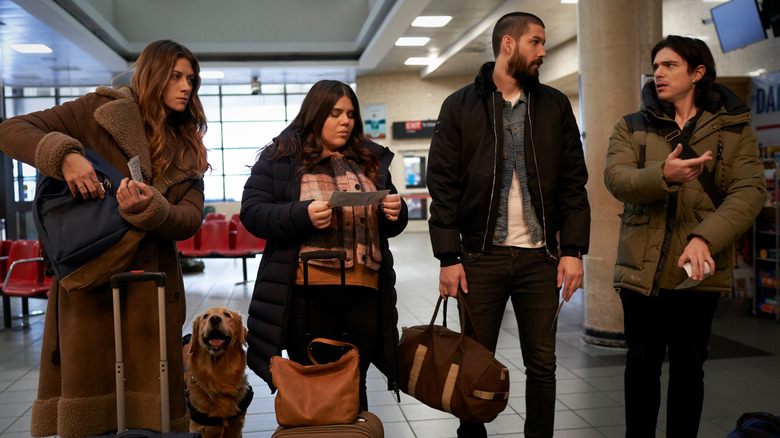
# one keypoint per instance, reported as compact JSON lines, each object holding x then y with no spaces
{"x":756,"y":425}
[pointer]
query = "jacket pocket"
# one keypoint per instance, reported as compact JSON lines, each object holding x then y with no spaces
{"x":634,"y":235}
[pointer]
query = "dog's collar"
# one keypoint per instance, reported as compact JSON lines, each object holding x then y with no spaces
{"x":206,"y":420}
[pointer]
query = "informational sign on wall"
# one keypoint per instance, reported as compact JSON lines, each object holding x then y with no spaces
{"x":414,"y":129}
{"x":374,"y":121}
{"x":765,"y":108}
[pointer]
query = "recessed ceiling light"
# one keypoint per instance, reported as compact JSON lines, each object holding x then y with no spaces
{"x":431,"y":21}
{"x":212,"y":74}
{"x":417,"y":60}
{"x":569,"y":2}
{"x":412,"y":41}
{"x":31,"y":48}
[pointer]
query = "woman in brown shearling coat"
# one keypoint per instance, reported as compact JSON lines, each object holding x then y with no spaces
{"x":160,"y":119}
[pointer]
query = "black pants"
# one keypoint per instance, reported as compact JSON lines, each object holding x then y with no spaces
{"x":342,"y":313}
{"x":527,"y":278}
{"x":677,"y":321}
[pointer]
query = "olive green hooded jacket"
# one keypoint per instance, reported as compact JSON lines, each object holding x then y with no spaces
{"x":650,"y":243}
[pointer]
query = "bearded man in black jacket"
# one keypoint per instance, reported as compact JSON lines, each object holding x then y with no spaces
{"x":510,"y":217}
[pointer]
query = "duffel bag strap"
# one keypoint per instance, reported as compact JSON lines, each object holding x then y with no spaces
{"x":490,"y":395}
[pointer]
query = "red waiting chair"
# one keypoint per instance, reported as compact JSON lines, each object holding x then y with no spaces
{"x":5,"y":247}
{"x":215,"y":217}
{"x":247,"y":245}
{"x":213,"y":239}
{"x":25,"y":277}
{"x":187,"y":245}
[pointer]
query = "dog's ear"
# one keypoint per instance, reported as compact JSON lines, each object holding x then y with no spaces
{"x":195,"y":342}
{"x":243,"y":329}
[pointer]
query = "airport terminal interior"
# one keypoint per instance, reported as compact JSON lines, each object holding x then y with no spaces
{"x":258,"y":59}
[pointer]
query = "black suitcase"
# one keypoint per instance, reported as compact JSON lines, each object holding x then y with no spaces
{"x":116,"y":283}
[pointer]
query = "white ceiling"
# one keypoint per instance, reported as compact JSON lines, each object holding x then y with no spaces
{"x":278,"y":41}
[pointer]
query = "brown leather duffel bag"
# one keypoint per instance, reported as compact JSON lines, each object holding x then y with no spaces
{"x":452,"y":372}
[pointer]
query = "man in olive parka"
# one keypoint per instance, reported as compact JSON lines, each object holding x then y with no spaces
{"x":669,"y":220}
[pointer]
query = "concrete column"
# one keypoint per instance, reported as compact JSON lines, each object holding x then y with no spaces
{"x":615,"y":38}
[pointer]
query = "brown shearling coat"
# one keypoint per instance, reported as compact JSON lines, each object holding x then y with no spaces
{"x":77,"y":396}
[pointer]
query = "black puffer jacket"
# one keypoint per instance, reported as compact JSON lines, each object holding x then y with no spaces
{"x":464,"y":170}
{"x":271,"y":209}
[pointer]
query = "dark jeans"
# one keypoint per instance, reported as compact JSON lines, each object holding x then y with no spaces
{"x":677,"y":321}
{"x":527,"y":277}
{"x":347,"y":314}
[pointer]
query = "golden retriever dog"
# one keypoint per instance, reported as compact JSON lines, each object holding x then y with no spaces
{"x":215,"y":363}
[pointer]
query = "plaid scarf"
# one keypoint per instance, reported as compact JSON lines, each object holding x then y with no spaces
{"x":353,"y":229}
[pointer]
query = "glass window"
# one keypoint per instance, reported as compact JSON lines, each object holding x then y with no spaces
{"x":239,"y":161}
{"x":237,"y":89}
{"x":213,"y":190}
{"x":272,"y":88}
{"x":210,"y":107}
{"x":213,"y":137}
{"x":75,"y":92}
{"x":252,"y":107}
{"x":250,"y":134}
{"x":214,"y":157}
{"x":234,"y":187}
{"x":19,"y":106}
{"x":205,"y":90}
{"x":299,"y":88}
{"x":294,"y":102}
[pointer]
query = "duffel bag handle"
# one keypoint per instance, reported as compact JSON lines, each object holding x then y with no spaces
{"x":464,"y":312}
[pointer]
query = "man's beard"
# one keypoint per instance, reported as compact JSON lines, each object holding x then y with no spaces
{"x":519,"y":68}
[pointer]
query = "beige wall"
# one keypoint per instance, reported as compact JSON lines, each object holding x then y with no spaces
{"x":407,"y":97}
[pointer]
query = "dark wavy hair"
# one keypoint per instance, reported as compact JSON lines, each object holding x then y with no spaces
{"x":171,"y":133}
{"x":302,"y":138}
{"x":695,"y":52}
{"x":514,"y":24}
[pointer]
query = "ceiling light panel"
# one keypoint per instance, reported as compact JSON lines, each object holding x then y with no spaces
{"x":412,"y":41}
{"x":31,"y":48}
{"x":431,"y":21}
{"x":417,"y":61}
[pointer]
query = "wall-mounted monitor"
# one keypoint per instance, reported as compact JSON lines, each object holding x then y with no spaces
{"x":738,"y":23}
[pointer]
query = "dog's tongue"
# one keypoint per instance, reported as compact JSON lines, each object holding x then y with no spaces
{"x":216,"y":343}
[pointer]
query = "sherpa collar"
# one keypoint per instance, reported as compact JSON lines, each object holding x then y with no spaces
{"x":121,"y":117}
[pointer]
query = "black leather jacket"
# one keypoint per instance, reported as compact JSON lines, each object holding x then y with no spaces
{"x":464,"y":170}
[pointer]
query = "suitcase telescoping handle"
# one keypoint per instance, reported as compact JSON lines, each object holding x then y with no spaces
{"x":117,"y":280}
{"x":315,"y":255}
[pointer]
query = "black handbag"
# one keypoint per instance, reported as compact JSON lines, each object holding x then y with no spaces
{"x":74,"y":231}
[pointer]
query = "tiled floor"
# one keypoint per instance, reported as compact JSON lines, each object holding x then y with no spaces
{"x":743,"y":374}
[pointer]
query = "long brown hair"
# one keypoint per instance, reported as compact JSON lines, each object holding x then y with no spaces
{"x":171,"y":134}
{"x":301,"y":139}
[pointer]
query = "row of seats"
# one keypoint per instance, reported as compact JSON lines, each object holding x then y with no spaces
{"x":22,"y":275}
{"x":222,"y":238}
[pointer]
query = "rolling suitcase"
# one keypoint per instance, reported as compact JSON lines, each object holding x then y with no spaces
{"x":366,"y":425}
{"x":117,"y":281}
